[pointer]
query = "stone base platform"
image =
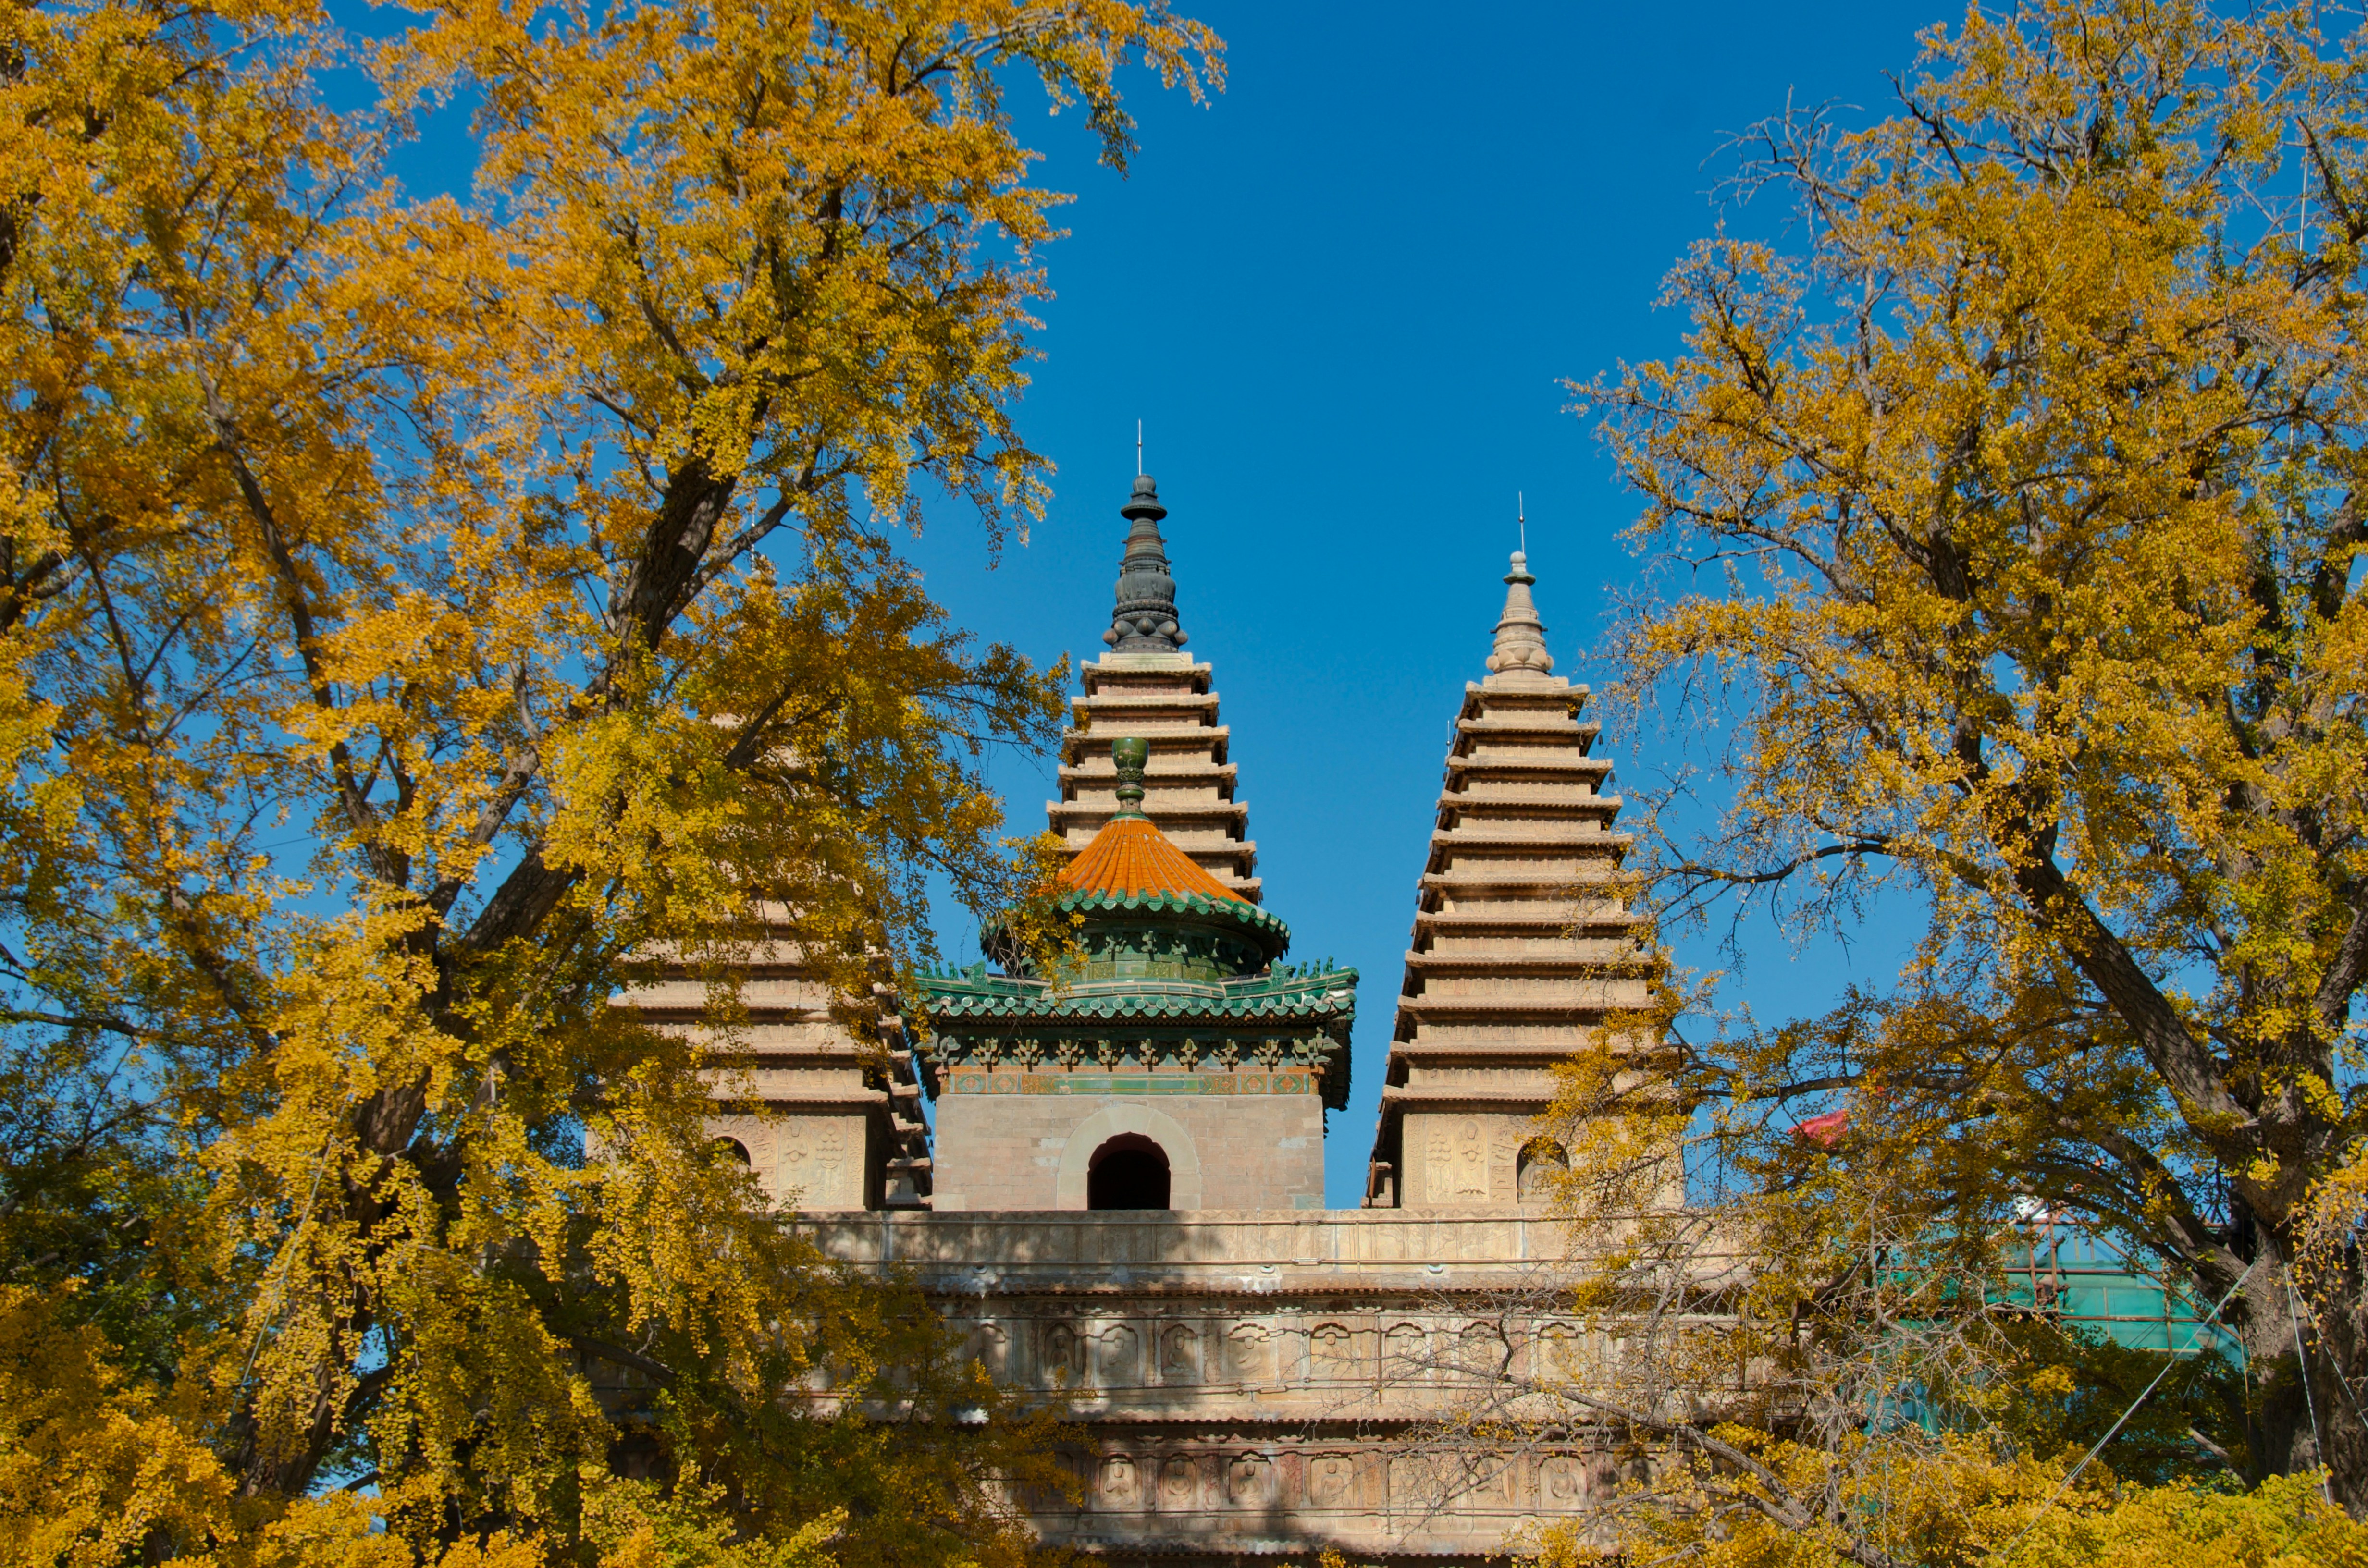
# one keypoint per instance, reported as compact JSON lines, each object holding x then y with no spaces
{"x":1258,"y":1385}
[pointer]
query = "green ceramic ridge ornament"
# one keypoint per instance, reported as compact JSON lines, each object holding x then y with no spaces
{"x":1131,"y":756}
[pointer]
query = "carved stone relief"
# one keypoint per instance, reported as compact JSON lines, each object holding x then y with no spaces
{"x":1179,"y":1482}
{"x":1117,"y":1358}
{"x":1331,"y":1478}
{"x":820,"y":1160}
{"x":990,"y":1347}
{"x":1541,"y":1162}
{"x":1482,"y":1353}
{"x":1064,"y":1357}
{"x":1250,"y":1481}
{"x":1405,"y":1352}
{"x":1334,"y":1352}
{"x":1180,"y":1354}
{"x":1561,"y":1484}
{"x":1248,"y":1355}
{"x":1234,"y":1356}
{"x":1120,"y":1487}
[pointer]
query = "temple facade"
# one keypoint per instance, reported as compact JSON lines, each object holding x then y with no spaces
{"x":1121,"y":1200}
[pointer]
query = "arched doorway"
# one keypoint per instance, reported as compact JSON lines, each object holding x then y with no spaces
{"x":1155,"y":1127}
{"x":1129,"y":1171}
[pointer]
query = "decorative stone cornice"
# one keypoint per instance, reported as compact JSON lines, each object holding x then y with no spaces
{"x":1320,"y":995}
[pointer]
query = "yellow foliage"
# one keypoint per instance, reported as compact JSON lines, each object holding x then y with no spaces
{"x":1958,"y":1505}
{"x":2016,"y":515}
{"x":90,"y":1470}
{"x":418,"y":615}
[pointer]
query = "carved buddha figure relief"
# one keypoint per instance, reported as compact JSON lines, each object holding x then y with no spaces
{"x":1115,"y":1357}
{"x":1120,"y":1485}
{"x":1405,"y":1352}
{"x":1542,"y":1164}
{"x":1180,"y":1354}
{"x":1250,"y":1481}
{"x":1335,"y":1352}
{"x":1179,"y":1482}
{"x":1062,"y":1358}
{"x":1561,"y":1483}
{"x":987,"y":1346}
{"x":1247,"y":1357}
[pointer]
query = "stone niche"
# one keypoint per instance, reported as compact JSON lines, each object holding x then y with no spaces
{"x":807,"y":1162}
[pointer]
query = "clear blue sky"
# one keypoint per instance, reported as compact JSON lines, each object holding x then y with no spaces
{"x":1341,"y":301}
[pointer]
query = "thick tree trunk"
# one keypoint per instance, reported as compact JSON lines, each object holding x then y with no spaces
{"x":2301,"y":1411}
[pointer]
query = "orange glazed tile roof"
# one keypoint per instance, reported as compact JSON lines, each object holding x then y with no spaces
{"x":1132,"y":856}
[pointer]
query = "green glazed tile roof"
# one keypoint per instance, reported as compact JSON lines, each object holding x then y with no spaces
{"x":1273,"y":933}
{"x":1317,"y":996}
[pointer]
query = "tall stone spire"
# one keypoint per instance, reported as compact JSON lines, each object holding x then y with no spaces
{"x":1147,"y":687}
{"x":1521,"y":949}
{"x":1145,"y":618}
{"x":1520,"y":656}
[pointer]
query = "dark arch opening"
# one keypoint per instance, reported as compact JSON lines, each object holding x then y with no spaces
{"x":1130,"y":1171}
{"x":732,"y":1149}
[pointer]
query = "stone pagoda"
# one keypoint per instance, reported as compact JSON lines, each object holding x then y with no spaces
{"x":1172,"y":1064}
{"x":1521,"y":945}
{"x":1147,"y":687}
{"x":826,"y":1102}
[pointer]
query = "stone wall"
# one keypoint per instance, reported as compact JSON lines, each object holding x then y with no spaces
{"x":1028,"y":1150}
{"x":808,"y":1162}
{"x":1463,"y":1159}
{"x":1257,"y":1383}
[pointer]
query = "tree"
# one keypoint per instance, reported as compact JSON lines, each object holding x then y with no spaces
{"x":2024,"y":503}
{"x":1973,"y":1507}
{"x":415,"y":608}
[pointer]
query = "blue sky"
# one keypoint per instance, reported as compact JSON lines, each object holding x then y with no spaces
{"x":1341,"y":301}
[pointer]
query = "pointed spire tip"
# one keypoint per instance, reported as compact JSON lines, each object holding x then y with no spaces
{"x":1520,"y":651}
{"x":1145,"y":620}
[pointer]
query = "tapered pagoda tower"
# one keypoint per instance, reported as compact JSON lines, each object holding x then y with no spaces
{"x":826,"y":1102}
{"x":1178,"y":1037}
{"x":1147,"y":687}
{"x":1521,"y":945}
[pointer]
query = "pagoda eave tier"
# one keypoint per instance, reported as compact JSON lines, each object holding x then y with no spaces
{"x":1542,"y":1057}
{"x":1504,"y":967}
{"x":1553,"y":922}
{"x":1541,"y":768}
{"x":1550,"y":717}
{"x":1196,"y":752}
{"x":1462,"y":1096}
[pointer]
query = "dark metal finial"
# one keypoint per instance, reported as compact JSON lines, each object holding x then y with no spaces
{"x":1132,"y":756}
{"x":1145,"y":618}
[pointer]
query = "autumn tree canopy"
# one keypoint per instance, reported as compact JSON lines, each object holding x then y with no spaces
{"x":412,"y":608}
{"x":2015,"y":505}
